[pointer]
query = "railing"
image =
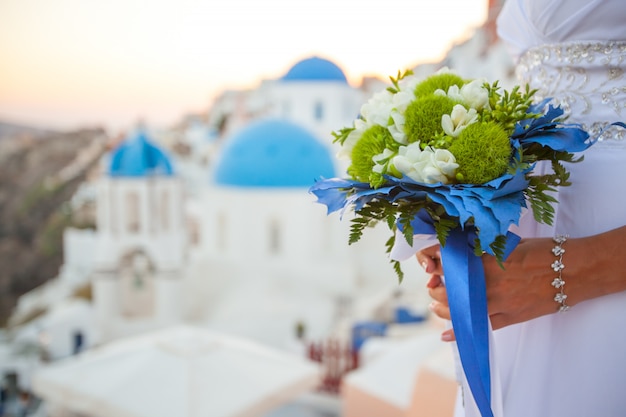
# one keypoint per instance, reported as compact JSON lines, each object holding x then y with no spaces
{"x":337,"y":359}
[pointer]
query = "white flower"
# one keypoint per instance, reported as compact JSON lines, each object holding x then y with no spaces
{"x":472,"y":94}
{"x":454,"y":123}
{"x":475,"y":95}
{"x":409,"y":82}
{"x":428,"y":166}
{"x":402,"y":99}
{"x":381,"y":161}
{"x":443,"y":166}
{"x":378,"y":108}
{"x":455,"y":93}
{"x":397,"y":127}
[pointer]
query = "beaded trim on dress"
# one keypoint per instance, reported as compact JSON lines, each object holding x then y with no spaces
{"x":581,"y":76}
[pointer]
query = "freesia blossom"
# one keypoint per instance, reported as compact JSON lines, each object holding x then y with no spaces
{"x":378,"y":108}
{"x":401,"y":101}
{"x":381,"y":161}
{"x":475,"y":94}
{"x":443,"y":166}
{"x":454,"y":123}
{"x":428,"y":166}
{"x":453,"y":92}
{"x":397,"y":127}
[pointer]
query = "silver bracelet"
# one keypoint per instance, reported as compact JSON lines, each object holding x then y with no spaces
{"x":557,"y":266}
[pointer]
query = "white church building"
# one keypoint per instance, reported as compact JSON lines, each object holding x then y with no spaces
{"x":248,"y":252}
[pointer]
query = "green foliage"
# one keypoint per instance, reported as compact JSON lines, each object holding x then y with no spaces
{"x":483,"y":152}
{"x":442,"y":81}
{"x":539,"y":199}
{"x":498,"y":246}
{"x":401,"y":212}
{"x":396,"y":264}
{"x":395,"y":81}
{"x":439,"y":141}
{"x":368,"y":216}
{"x":508,"y":107}
{"x":541,"y":187}
{"x":342,"y":134}
{"x":423,"y":117}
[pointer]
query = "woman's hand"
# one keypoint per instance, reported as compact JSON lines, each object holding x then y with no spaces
{"x":522,"y":290}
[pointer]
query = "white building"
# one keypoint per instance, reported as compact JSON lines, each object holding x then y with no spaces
{"x":247,"y":252}
{"x":141,"y":241}
{"x":237,"y":246}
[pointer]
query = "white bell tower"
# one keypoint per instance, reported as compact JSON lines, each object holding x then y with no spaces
{"x":142,"y":241}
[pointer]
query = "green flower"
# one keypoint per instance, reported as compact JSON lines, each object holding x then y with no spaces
{"x":483,"y":152}
{"x":423,"y":117}
{"x":373,"y":142}
{"x":440,"y":81}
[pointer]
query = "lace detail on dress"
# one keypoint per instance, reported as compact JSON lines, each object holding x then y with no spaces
{"x":585,"y":78}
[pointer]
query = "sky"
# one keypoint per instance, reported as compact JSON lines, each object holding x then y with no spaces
{"x":66,"y":64}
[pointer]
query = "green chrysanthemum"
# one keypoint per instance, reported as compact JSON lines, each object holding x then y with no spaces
{"x":483,"y":152}
{"x":373,"y":141}
{"x":435,"y":82}
{"x":423,"y":117}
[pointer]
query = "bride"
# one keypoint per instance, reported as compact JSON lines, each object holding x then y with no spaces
{"x":563,"y":355}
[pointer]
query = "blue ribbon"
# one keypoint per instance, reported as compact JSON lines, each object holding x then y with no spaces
{"x":467,"y":297}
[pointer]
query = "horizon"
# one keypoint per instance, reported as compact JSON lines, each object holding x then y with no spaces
{"x":70,"y":64}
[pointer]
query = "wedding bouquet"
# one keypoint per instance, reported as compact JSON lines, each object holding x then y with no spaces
{"x":453,"y":158}
{"x":450,"y":153}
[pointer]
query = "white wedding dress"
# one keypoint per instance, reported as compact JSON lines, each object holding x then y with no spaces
{"x":571,"y":364}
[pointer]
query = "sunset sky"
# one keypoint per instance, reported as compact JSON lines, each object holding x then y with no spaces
{"x":71,"y":63}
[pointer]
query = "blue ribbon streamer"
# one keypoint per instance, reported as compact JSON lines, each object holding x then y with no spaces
{"x":465,"y":286}
{"x":467,"y":297}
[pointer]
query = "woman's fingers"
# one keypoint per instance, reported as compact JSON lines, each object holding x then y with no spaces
{"x":439,"y":294}
{"x":448,"y":336}
{"x":440,"y":310}
{"x":434,"y":281}
{"x":428,"y":263}
{"x":430,"y":259}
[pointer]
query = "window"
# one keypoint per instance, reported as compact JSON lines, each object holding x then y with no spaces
{"x":221,"y":232}
{"x":112,"y":209}
{"x":132,"y":212}
{"x":319,"y":111}
{"x":274,"y":237}
{"x":165,"y":210}
{"x":137,"y":285}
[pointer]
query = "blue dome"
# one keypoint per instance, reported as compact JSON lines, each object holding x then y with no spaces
{"x":138,"y":157}
{"x":315,"y":69}
{"x":273,"y":153}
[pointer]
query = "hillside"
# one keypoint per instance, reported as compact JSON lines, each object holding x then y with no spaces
{"x":35,"y":185}
{"x":13,"y":130}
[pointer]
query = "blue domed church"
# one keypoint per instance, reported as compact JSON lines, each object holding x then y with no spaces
{"x":141,"y":240}
{"x":273,"y":153}
{"x":314,"y":93}
{"x":262,"y":234}
{"x":244,"y":248}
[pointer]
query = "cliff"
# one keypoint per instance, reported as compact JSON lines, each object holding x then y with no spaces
{"x":39,"y":173}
